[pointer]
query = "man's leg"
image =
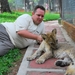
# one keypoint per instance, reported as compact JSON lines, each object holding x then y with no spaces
{"x":5,"y":42}
{"x":5,"y":47}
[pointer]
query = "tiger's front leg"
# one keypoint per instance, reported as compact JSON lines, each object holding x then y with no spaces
{"x":47,"y":54}
{"x":37,"y":53}
{"x":44,"y":57}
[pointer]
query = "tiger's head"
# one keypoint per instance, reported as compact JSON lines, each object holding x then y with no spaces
{"x":50,"y":39}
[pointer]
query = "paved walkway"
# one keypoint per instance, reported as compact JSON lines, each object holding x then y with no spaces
{"x":48,"y":68}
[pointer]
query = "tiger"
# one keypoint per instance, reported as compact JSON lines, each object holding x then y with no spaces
{"x":64,"y":52}
{"x":49,"y":42}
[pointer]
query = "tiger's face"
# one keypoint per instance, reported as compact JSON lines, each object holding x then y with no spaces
{"x":51,"y":39}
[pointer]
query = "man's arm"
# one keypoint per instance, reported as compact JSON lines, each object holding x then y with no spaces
{"x":29,"y":35}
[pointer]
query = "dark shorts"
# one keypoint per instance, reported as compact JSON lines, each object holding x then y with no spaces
{"x":5,"y":42}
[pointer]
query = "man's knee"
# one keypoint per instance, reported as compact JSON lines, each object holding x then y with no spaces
{"x":3,"y":52}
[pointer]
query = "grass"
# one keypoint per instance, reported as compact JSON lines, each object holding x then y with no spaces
{"x":7,"y":60}
{"x":51,"y":16}
{"x":13,"y":55}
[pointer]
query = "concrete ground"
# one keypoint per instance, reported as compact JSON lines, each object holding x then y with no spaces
{"x":48,"y":68}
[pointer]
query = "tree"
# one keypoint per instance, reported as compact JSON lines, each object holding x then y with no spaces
{"x":5,"y":6}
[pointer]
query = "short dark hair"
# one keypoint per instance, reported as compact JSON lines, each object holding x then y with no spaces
{"x":39,"y":6}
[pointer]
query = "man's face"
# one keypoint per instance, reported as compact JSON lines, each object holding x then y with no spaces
{"x":38,"y":16}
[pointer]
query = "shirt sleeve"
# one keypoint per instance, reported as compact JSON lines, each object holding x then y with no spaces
{"x":22,"y":22}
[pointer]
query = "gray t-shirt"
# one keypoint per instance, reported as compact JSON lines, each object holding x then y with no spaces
{"x":21,"y":23}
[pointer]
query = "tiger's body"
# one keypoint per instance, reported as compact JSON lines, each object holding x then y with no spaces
{"x":65,"y":52}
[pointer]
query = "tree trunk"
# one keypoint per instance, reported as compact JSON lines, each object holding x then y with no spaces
{"x":5,"y":6}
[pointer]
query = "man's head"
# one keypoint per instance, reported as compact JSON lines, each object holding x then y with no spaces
{"x":38,"y":14}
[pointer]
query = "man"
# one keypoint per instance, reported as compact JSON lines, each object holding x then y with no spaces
{"x":23,"y":31}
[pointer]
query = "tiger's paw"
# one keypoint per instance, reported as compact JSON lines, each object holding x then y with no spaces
{"x":61,"y":63}
{"x":29,"y":58}
{"x":40,"y":61}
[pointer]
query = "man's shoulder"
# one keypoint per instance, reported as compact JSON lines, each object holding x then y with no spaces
{"x":24,"y":17}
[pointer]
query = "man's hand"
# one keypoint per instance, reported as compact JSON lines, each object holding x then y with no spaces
{"x":39,"y":38}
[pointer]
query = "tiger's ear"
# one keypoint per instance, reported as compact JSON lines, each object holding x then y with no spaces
{"x":44,"y":36}
{"x":54,"y":31}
